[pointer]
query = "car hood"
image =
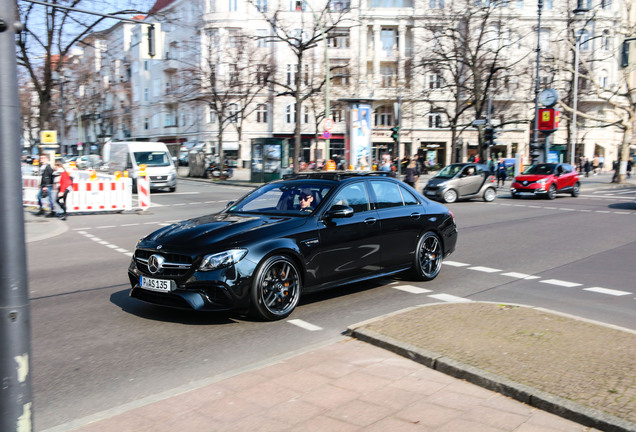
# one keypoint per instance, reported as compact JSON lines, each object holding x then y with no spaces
{"x":436,"y":181}
{"x":225,"y":228}
{"x":531,"y":177}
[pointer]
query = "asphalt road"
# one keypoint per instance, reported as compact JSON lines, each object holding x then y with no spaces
{"x":95,"y":348}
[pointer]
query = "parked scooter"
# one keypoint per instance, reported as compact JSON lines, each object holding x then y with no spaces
{"x":213,"y":171}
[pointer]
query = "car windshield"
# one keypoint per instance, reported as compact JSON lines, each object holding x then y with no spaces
{"x":450,"y":171}
{"x":540,"y":169}
{"x":152,"y":158}
{"x":300,"y":198}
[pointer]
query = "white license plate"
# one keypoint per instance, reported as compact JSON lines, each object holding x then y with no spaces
{"x":161,"y":285}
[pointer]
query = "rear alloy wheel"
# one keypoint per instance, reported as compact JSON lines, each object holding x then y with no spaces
{"x":490,"y":194}
{"x":276,"y":288}
{"x":576,"y":189}
{"x":552,"y":192}
{"x":450,"y":196}
{"x":428,"y":257}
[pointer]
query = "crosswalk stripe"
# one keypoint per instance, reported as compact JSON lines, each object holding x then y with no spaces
{"x":450,"y":298}
{"x":412,"y":289}
{"x":607,"y":291}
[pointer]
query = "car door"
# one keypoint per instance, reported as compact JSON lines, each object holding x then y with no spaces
{"x":565,"y":177}
{"x":470,"y":180}
{"x":401,"y":216}
{"x":349,"y":248}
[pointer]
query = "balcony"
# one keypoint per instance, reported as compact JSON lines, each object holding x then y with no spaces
{"x":170,"y":65}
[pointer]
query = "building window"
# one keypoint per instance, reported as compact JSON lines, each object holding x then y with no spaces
{"x":384,"y":116}
{"x":436,"y":4}
{"x":234,"y":37}
{"x":296,"y":5}
{"x":233,"y":113}
{"x":262,"y":74}
{"x":211,"y":115}
{"x":605,"y":41}
{"x":232,"y":5}
{"x":388,"y":75}
{"x":339,"y":5}
{"x":261,"y":38}
{"x":261,"y":113}
{"x":146,"y":123}
{"x":337,"y":114}
{"x":339,"y":39}
{"x":434,"y":120}
{"x":146,"y":94}
{"x":392,"y":3}
{"x":435,"y":81}
{"x":290,"y":114}
{"x":261,"y":5}
{"x":389,"y":40}
{"x":603,"y":80}
{"x":584,"y":40}
{"x":340,"y":74}
{"x":233,"y":74}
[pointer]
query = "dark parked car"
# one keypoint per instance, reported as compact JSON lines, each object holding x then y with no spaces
{"x":304,"y":233}
{"x":462,"y":181}
{"x":546,"y":179}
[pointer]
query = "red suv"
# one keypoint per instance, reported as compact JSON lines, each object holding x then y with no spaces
{"x":546,"y":179}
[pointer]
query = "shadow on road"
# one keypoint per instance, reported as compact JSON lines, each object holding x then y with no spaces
{"x":623,"y":206}
{"x":165,"y":314}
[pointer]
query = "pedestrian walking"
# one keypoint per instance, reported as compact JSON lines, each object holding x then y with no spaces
{"x":46,"y":186}
{"x":410,"y":173}
{"x":595,"y":164}
{"x":629,"y":168}
{"x":501,"y":173}
{"x":64,"y":188}
{"x":587,"y":167}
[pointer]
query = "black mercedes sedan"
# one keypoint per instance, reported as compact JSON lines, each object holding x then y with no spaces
{"x":288,"y":237}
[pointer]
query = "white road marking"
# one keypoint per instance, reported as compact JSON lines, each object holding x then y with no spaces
{"x":484,"y":269}
{"x":121,"y":250}
{"x":520,"y":275}
{"x":107,"y":226}
{"x":560,"y":283}
{"x":304,"y":325}
{"x":450,"y":298}
{"x":607,"y":291}
{"x":412,"y":289}
{"x":454,"y":264}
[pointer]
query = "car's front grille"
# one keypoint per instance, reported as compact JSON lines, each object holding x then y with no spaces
{"x":158,"y":178}
{"x":175,"y":265}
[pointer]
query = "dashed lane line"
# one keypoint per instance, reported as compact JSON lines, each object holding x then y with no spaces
{"x":304,"y":325}
{"x":484,"y":269}
{"x":412,"y":289}
{"x":608,"y":291}
{"x":558,"y":282}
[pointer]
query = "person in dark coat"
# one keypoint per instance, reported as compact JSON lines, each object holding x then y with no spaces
{"x":587,"y":167}
{"x":46,"y":186}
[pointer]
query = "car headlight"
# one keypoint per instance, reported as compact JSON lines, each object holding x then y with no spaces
{"x":222,"y":259}
{"x":542,"y":181}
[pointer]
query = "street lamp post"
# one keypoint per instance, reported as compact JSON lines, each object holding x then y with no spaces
{"x":575,"y":101}
{"x":535,"y":134}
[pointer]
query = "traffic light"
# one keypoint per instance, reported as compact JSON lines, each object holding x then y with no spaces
{"x":396,"y":133}
{"x":489,"y":136}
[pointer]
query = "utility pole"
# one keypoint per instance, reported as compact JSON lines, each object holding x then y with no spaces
{"x":16,"y":405}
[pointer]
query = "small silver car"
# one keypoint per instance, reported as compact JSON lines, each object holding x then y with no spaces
{"x":462,"y":181}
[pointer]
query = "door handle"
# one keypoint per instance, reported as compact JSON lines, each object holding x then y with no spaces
{"x":370,"y":221}
{"x":415,"y":215}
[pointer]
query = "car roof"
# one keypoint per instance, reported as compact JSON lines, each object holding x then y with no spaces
{"x":335,"y":175}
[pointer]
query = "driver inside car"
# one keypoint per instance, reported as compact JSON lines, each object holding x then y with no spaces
{"x":306,"y":200}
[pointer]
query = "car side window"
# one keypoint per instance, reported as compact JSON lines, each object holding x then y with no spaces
{"x":353,"y":195}
{"x":409,"y":198}
{"x":387,"y":193}
{"x":567,"y":169}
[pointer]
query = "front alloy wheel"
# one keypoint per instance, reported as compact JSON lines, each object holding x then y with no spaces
{"x":450,"y":196}
{"x":276,"y":288}
{"x":576,"y":189}
{"x":490,"y":194}
{"x":552,"y":192}
{"x":428,"y":257}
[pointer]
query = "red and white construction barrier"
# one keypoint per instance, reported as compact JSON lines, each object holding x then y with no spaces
{"x":143,"y":191}
{"x":103,"y":194}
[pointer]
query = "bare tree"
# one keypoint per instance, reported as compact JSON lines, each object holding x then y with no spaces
{"x":230,"y":80}
{"x":619,"y":97}
{"x":300,"y":31}
{"x":465,"y":62}
{"x":43,"y":46}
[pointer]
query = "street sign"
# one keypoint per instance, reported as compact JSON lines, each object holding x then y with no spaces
{"x":48,"y":137}
{"x":479,"y":122}
{"x":326,"y":135}
{"x":328,"y":124}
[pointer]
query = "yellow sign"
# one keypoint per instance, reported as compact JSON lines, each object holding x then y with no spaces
{"x":48,"y":137}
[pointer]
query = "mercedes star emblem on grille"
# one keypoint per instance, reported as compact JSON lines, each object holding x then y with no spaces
{"x":155,"y":263}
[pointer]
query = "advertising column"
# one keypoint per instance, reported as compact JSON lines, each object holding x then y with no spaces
{"x":360,"y":154}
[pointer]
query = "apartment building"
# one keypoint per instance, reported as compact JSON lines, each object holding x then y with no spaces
{"x":452,"y":68}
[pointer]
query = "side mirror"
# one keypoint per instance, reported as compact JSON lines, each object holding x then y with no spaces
{"x":229,"y":204}
{"x":339,"y":211}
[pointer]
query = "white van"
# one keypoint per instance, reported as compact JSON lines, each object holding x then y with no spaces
{"x":128,"y":155}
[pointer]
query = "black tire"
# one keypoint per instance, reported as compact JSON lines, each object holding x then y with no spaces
{"x":576,"y":189}
{"x":428,"y":257}
{"x":172,"y":189}
{"x":490,"y":194}
{"x":552,"y":192}
{"x":275,"y":288}
{"x":450,"y":196}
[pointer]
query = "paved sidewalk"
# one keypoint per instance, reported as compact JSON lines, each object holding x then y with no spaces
{"x":582,"y":371}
